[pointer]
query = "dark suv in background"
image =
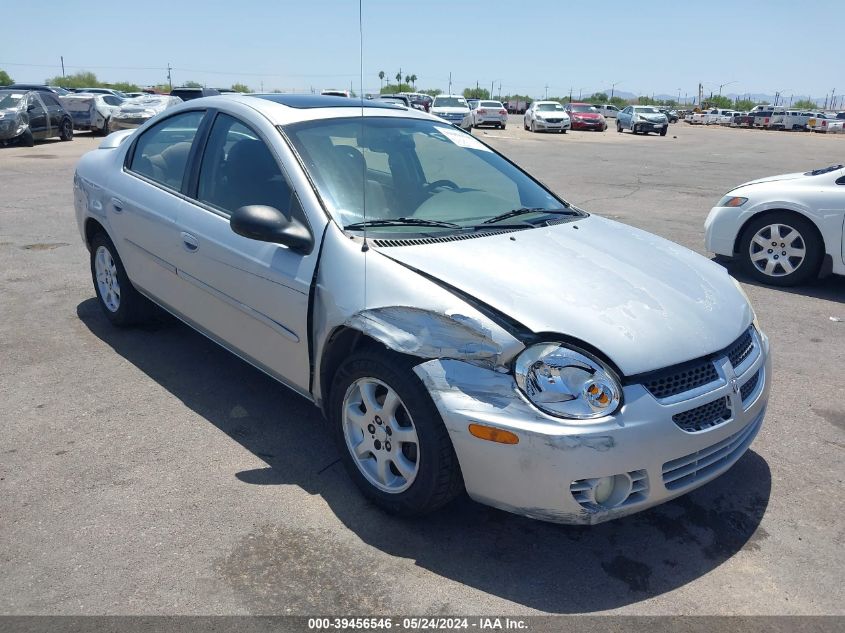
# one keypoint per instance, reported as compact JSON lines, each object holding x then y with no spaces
{"x":186,"y":94}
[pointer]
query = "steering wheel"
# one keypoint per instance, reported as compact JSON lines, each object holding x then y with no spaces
{"x":440,"y":183}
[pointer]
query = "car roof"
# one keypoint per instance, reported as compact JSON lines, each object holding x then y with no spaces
{"x":283,"y":109}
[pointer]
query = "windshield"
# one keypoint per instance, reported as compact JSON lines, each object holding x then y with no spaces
{"x":646,"y":111}
{"x":549,"y":107}
{"x":450,"y":102}
{"x":10,"y":99}
{"x":411,"y":169}
{"x":583,"y":108}
{"x":490,"y":104}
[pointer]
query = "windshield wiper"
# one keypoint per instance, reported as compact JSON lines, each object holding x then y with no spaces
{"x":526,"y":210}
{"x":402,"y":222}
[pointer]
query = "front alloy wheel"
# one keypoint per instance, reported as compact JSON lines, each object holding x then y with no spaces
{"x":781,"y":249}
{"x":392,"y":440}
{"x":380,"y":435}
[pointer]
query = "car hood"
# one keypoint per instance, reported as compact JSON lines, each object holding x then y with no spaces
{"x":585,"y":115}
{"x":644,"y":302}
{"x":760,"y":181}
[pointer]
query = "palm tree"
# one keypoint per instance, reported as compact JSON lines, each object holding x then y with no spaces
{"x":413,"y":79}
{"x":381,"y":76}
{"x":408,"y":79}
{"x":398,"y":80}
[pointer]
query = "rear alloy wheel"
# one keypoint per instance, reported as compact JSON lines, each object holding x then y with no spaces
{"x":120,"y":302}
{"x":781,"y":249}
{"x":66,"y":130}
{"x":392,"y":440}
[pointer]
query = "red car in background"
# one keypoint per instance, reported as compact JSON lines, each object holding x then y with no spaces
{"x":585,"y":117}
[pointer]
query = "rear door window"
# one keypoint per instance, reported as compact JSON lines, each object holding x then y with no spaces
{"x":161,"y":153}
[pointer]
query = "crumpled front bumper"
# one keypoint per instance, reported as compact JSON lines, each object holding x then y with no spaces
{"x":10,"y":128}
{"x":542,"y":475}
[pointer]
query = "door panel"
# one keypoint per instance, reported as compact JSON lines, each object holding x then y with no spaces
{"x":252,"y":295}
{"x":145,"y":202}
{"x":38,"y":120}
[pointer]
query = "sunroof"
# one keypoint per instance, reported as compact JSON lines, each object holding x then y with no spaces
{"x":323,"y":101}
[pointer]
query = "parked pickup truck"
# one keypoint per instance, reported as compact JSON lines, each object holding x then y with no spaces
{"x":696,"y":118}
{"x":767,"y":116}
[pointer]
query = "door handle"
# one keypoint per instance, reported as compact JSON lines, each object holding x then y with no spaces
{"x":189,"y":242}
{"x":117,"y":205}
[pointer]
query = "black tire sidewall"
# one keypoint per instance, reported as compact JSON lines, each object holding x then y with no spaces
{"x":809,"y":233}
{"x":435,"y":483}
{"x":133,"y":308}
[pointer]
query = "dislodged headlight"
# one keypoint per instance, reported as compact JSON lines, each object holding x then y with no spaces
{"x":732,"y":201}
{"x":566,"y":383}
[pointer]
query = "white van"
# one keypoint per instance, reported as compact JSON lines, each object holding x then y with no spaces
{"x":607,"y":110}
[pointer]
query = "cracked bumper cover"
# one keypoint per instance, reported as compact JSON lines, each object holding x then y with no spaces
{"x":533,"y":477}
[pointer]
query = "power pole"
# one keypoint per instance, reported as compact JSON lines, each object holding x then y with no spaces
{"x":450,"y":82}
{"x":491,"y":88}
{"x":169,"y":80}
{"x":63,"y":65}
{"x":547,"y":91}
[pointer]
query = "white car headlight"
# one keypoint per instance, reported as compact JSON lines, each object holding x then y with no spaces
{"x":566,"y":383}
{"x":732,"y":201}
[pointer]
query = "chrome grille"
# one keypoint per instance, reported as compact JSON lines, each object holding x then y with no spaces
{"x":687,"y":376}
{"x":749,"y":386}
{"x":674,"y":383}
{"x":740,"y":350}
{"x":704,"y":417}
{"x":686,"y":470}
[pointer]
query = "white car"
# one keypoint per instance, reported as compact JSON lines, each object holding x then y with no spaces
{"x":91,"y":111}
{"x":489,"y":113}
{"x":454,"y":109}
{"x":461,"y":326}
{"x":785,"y":230}
{"x":546,"y":116}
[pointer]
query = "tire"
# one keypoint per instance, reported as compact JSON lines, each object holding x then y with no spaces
{"x":664,"y":131}
{"x":126,"y":306}
{"x":634,"y":130}
{"x":433,"y":474}
{"x":769,"y":268}
{"x":524,"y":124}
{"x":66,"y":130}
{"x":27,"y":139}
{"x":603,"y":128}
{"x":619,"y":127}
{"x":533,"y":128}
{"x":105,"y":129}
{"x":502,"y":127}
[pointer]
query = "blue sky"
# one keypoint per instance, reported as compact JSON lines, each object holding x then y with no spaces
{"x":647,"y":46}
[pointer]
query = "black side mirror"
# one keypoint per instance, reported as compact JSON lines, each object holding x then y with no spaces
{"x":30,"y":107}
{"x":268,"y":224}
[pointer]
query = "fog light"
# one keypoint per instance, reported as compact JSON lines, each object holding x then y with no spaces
{"x":611,"y":491}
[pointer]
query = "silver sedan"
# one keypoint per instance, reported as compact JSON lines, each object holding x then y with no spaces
{"x":461,"y":326}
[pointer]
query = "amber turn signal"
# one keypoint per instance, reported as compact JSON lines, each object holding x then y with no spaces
{"x":493,"y":434}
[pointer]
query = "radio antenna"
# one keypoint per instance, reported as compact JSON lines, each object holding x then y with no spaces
{"x":365,"y":247}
